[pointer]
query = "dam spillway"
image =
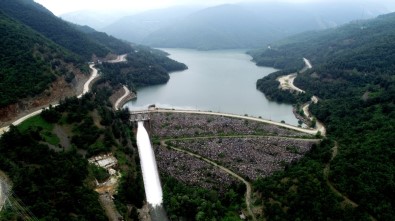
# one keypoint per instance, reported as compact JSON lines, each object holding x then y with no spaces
{"x":152,"y":185}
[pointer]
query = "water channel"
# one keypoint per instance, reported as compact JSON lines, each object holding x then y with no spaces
{"x":222,"y":80}
{"x":152,"y":185}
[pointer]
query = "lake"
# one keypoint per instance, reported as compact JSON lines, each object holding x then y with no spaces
{"x":220,"y":81}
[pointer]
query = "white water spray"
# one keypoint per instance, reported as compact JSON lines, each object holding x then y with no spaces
{"x":152,"y":186}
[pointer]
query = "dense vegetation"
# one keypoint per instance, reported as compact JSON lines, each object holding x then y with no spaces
{"x":301,"y":193}
{"x":62,"y":33}
{"x":145,"y":66}
{"x":38,"y":48}
{"x":270,"y":87}
{"x":353,"y":75}
{"x":52,"y":178}
{"x":183,"y":202}
{"x":29,"y":62}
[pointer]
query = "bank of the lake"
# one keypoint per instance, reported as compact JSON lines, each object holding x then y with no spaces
{"x":223,"y":81}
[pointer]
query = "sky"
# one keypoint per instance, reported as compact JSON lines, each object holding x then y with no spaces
{"x":59,"y":7}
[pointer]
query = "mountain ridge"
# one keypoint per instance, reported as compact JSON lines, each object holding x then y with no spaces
{"x":42,"y":20}
{"x":247,"y":25}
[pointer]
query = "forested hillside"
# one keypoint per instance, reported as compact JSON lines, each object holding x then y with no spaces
{"x":29,"y":62}
{"x":145,"y":66}
{"x":39,"y":51}
{"x":43,"y":21}
{"x":46,"y":159}
{"x":353,"y":74}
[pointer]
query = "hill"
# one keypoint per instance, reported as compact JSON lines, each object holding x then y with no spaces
{"x":44,"y":59}
{"x":145,"y":66}
{"x":30,"y":62}
{"x":353,"y":75}
{"x":135,"y":28}
{"x":43,"y":21}
{"x":236,"y":26}
{"x":46,"y":159}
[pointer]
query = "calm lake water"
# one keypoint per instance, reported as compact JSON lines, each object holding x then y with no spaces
{"x":223,"y":81}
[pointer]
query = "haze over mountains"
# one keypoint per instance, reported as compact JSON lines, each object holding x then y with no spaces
{"x":348,"y":175}
{"x":244,"y":25}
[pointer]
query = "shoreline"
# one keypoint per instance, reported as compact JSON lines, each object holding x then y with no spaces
{"x":287,"y":83}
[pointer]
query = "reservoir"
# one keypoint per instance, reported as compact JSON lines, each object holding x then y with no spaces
{"x":219,"y":81}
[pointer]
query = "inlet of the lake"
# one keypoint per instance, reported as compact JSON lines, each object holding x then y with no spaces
{"x":220,"y":81}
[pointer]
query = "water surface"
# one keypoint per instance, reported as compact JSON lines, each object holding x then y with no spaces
{"x":222,"y":80}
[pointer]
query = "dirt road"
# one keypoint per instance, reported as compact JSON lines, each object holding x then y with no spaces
{"x":287,"y":83}
{"x":94,"y":75}
{"x":127,"y":92}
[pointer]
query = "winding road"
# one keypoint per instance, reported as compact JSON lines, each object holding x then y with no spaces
{"x":127,"y":92}
{"x":94,"y":75}
{"x":120,"y":58}
{"x":289,"y":79}
{"x":326,"y":172}
{"x":319,"y":126}
{"x":4,"y":187}
{"x":287,"y":83}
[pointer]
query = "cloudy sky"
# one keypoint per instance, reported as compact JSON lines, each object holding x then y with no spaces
{"x":59,"y":7}
{"x":62,"y":6}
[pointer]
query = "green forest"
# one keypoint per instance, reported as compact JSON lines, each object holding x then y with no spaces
{"x":350,"y":175}
{"x":145,"y":66}
{"x":185,"y":202}
{"x":46,"y":156}
{"x":54,"y":180}
{"x":26,"y":54}
{"x":353,"y":75}
{"x":62,"y":33}
{"x":40,"y":48}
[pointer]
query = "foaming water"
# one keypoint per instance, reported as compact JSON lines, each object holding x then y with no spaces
{"x":152,"y":186}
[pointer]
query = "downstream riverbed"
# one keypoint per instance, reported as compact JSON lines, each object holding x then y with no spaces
{"x":223,"y":81}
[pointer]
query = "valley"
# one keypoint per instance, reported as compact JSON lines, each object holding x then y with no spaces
{"x":297,"y":127}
